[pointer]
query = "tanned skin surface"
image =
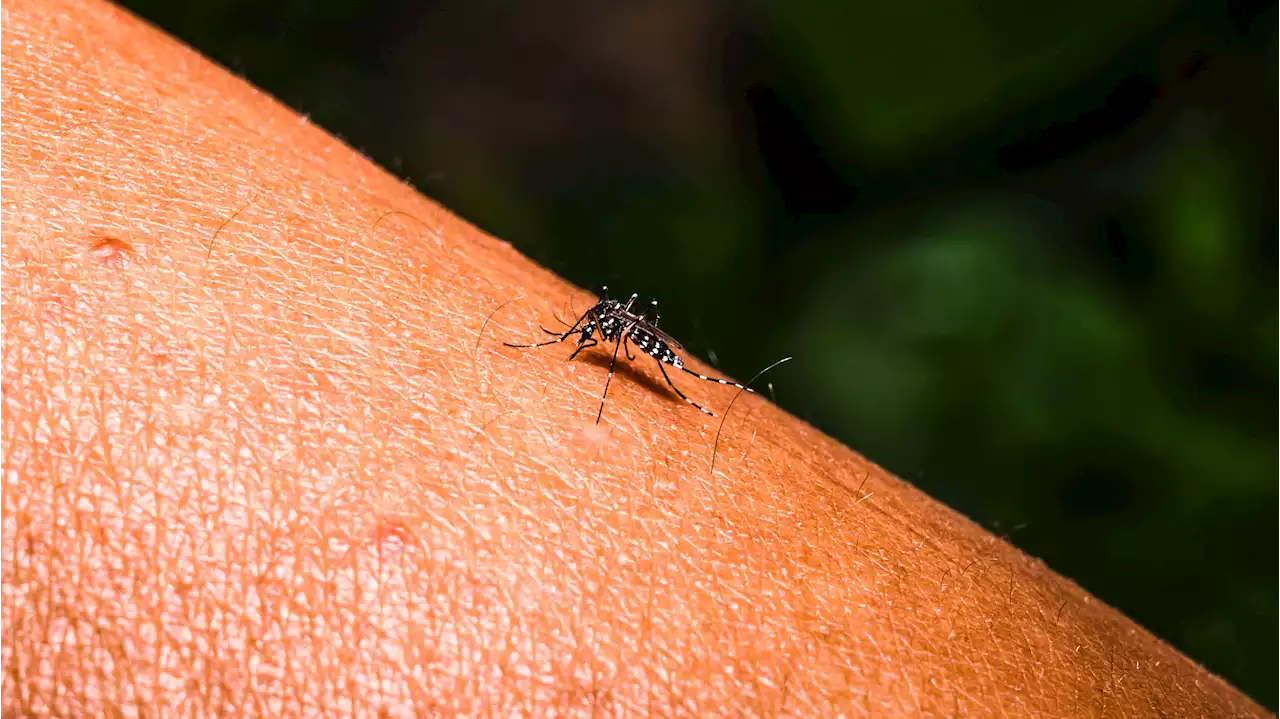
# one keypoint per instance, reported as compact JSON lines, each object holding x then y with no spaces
{"x":259,"y":459}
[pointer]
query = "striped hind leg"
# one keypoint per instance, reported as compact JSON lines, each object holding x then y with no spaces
{"x":673,"y":386}
{"x":717,"y":381}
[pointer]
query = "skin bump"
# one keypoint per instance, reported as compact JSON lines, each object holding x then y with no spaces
{"x":111,"y":252}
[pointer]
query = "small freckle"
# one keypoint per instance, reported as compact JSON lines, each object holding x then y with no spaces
{"x":111,"y":252}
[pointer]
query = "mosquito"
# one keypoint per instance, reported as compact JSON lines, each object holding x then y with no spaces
{"x":615,"y":321}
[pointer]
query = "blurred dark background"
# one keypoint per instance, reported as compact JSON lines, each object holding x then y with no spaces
{"x":1024,"y":253}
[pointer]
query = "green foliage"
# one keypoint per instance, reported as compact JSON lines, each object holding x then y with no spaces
{"x":901,"y":78}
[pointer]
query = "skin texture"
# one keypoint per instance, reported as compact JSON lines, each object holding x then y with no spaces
{"x":260,"y":458}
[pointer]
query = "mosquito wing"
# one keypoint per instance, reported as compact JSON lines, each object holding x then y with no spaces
{"x":671,"y":341}
{"x":630,"y":318}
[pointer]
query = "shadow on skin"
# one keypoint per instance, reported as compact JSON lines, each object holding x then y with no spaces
{"x":624,"y":368}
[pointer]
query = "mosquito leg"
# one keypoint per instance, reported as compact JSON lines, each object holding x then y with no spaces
{"x":607,"y":380}
{"x":673,"y":386}
{"x":562,"y":338}
{"x":584,"y":344}
{"x":559,"y":337}
{"x":717,"y":381}
{"x":626,"y":345}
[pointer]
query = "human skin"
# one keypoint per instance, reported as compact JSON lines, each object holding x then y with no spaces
{"x":265,"y":454}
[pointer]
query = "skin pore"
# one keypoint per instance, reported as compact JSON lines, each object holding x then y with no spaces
{"x":259,"y":458}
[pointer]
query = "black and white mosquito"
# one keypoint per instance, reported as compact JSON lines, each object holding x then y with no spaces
{"x":614,"y":321}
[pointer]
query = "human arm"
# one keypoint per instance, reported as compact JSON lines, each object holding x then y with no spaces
{"x":260,"y":457}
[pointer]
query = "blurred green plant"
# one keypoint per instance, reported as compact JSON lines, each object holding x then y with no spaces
{"x":901,"y":79}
